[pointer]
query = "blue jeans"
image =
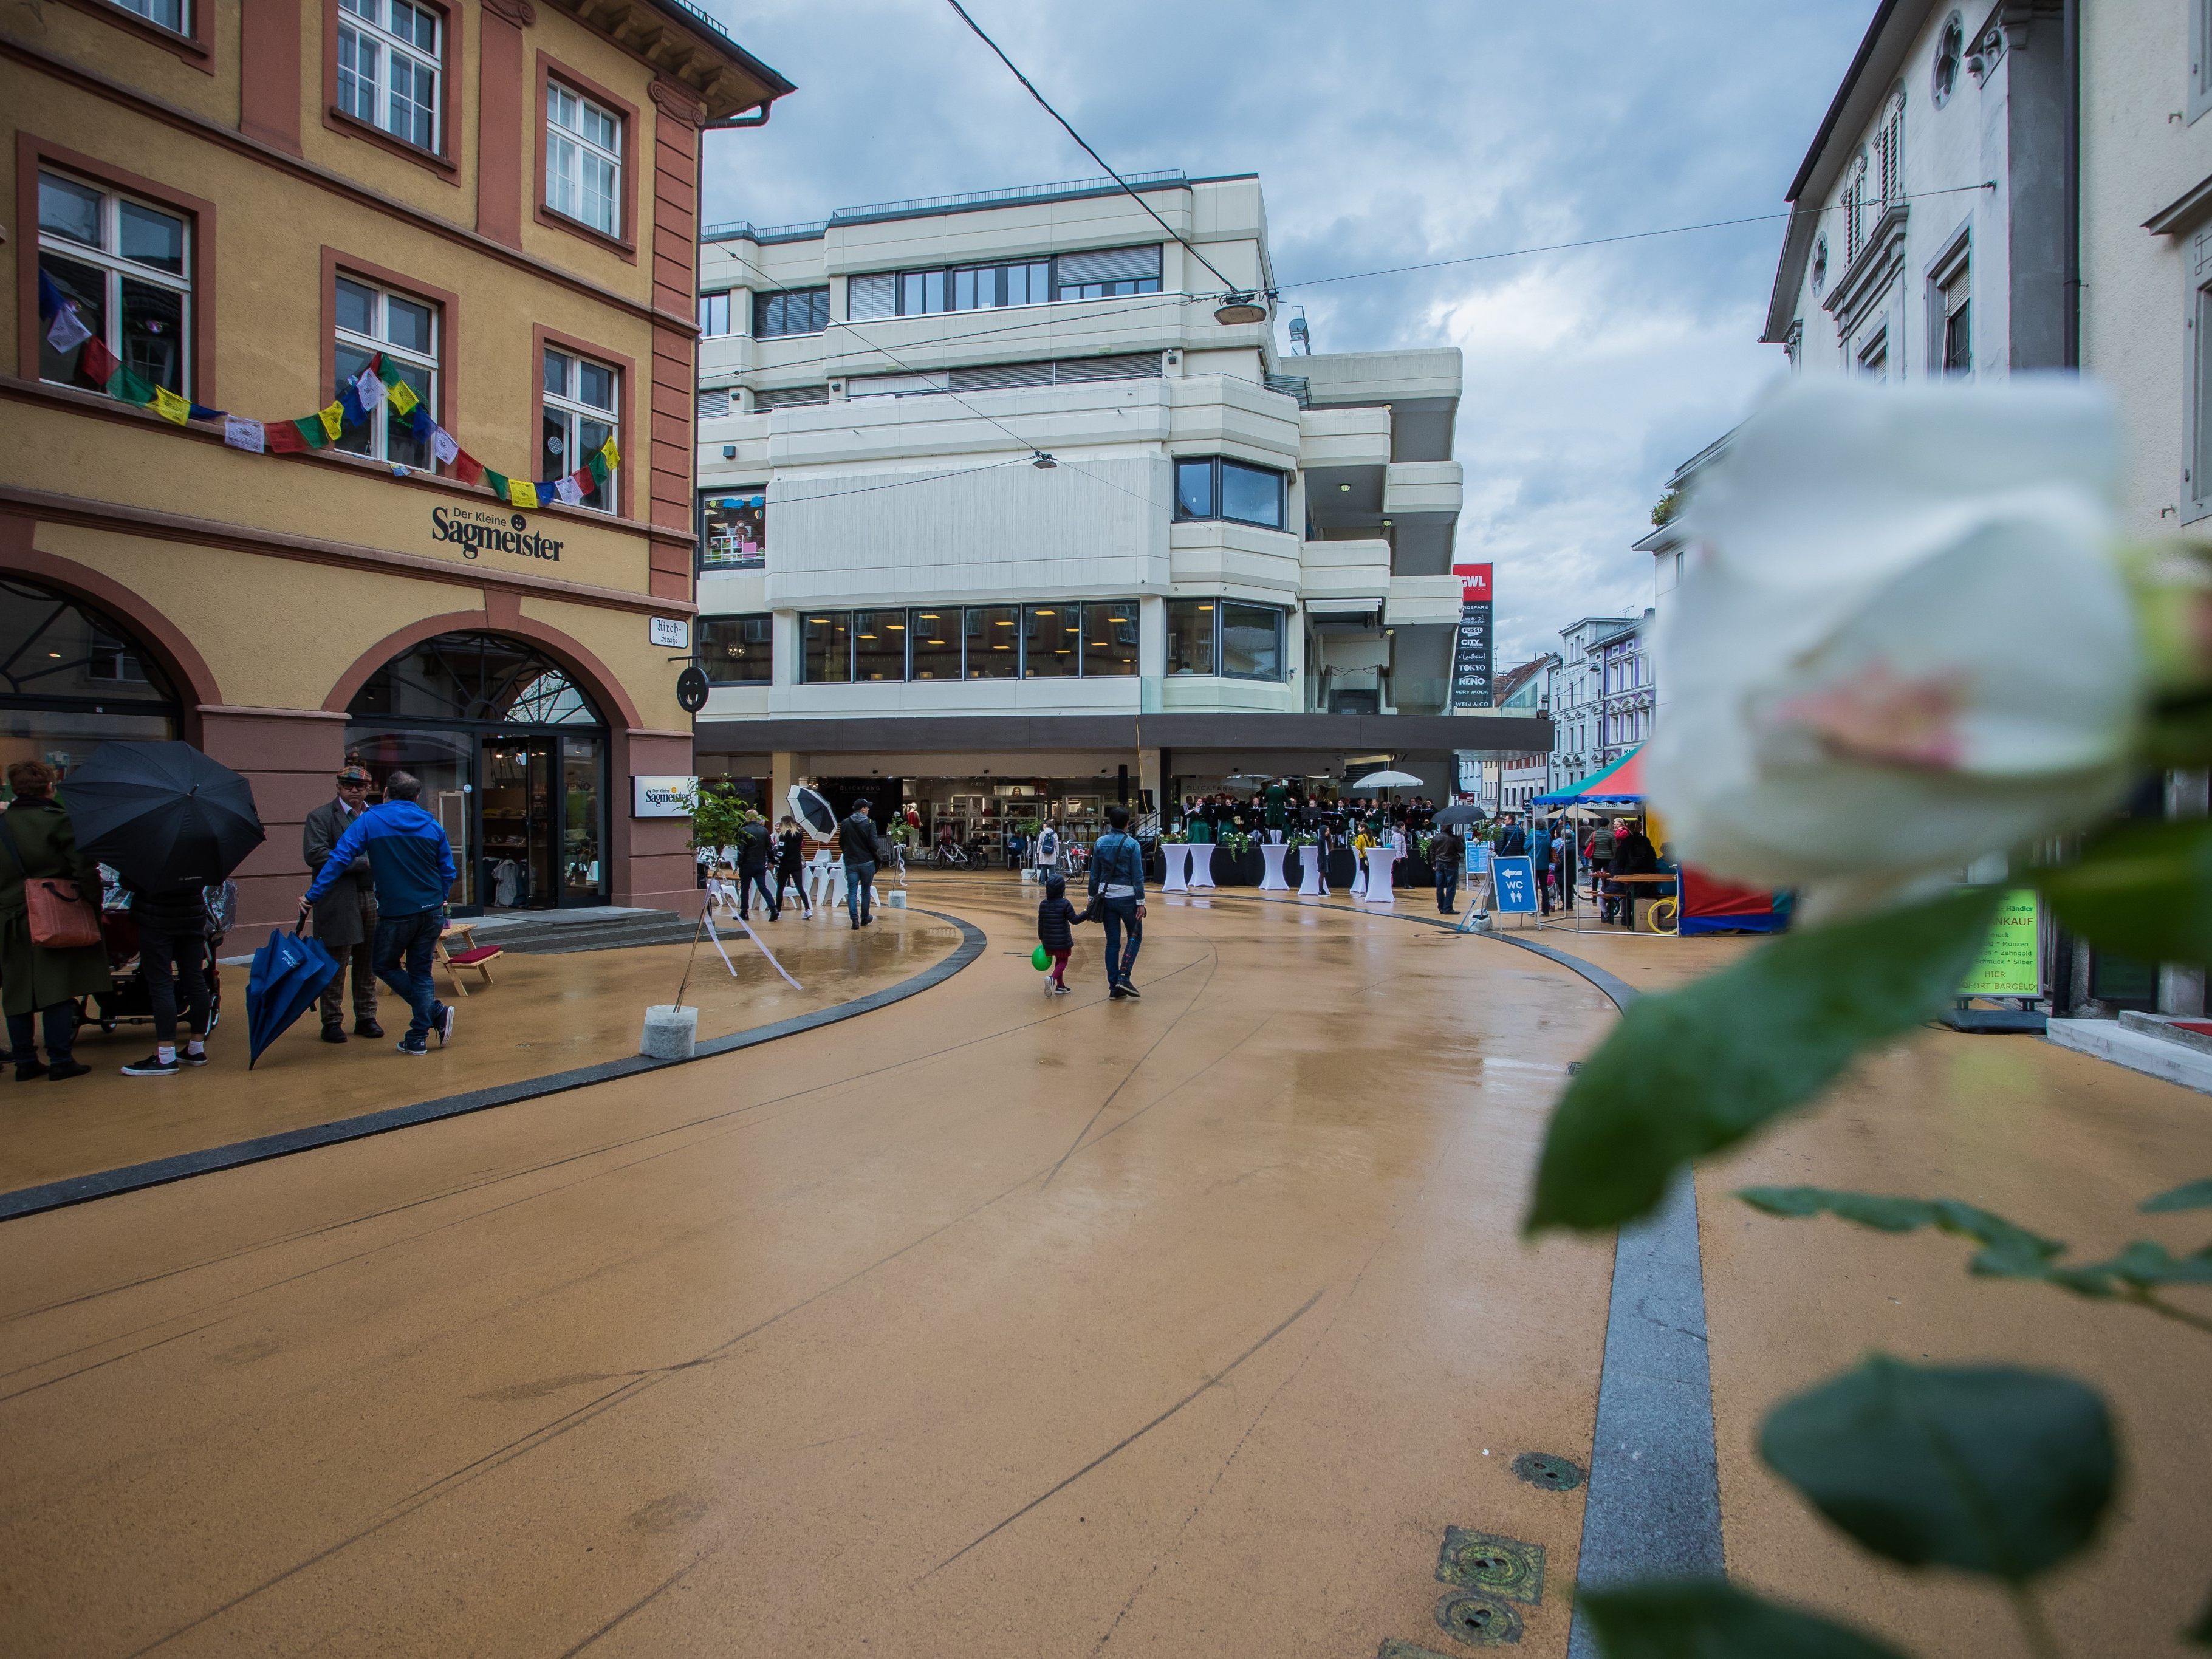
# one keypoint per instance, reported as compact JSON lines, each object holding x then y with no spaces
{"x":404,"y":950}
{"x":1447,"y":889}
{"x":1120,"y":914}
{"x":857,"y":876}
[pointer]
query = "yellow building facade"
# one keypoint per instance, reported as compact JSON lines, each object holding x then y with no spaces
{"x":243,"y":203}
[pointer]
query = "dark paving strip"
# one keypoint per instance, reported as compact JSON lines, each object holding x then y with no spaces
{"x":134,"y":1177}
{"x":1654,"y":1509}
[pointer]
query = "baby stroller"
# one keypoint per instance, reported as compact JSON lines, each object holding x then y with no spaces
{"x":127,"y":1001}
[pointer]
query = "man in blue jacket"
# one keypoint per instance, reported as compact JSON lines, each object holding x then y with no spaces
{"x":412,"y":863}
{"x":1117,"y":882}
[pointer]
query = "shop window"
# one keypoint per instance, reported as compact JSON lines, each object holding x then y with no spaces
{"x":373,"y":319}
{"x":126,"y":264}
{"x":1190,"y":636}
{"x":793,"y":310}
{"x":583,"y":160}
{"x":715,"y":314}
{"x":733,"y":529}
{"x":736,"y":650}
{"x":1211,"y":487}
{"x":993,"y":640}
{"x":879,"y":645}
{"x":579,"y":406}
{"x":391,"y":67}
{"x":936,"y":643}
{"x":825,"y":647}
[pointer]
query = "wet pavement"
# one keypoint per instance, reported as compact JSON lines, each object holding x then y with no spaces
{"x":990,"y":1323}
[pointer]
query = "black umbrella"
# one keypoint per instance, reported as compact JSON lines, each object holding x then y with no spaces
{"x":814,"y":814}
{"x":162,"y":813}
{"x":1457,"y":813}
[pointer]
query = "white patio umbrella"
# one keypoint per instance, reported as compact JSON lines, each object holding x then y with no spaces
{"x":1388,"y":779}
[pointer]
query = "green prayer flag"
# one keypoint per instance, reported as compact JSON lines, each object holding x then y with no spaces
{"x":600,"y":471}
{"x":388,"y":372}
{"x":130,"y":385}
{"x":310,"y":429}
{"x":496,"y":483}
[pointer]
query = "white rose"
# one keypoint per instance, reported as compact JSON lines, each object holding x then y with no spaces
{"x":1903,"y":639}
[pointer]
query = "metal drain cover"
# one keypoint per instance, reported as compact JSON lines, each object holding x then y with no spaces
{"x":1479,"y":1621}
{"x":1496,"y":1566}
{"x":1543,"y":1469}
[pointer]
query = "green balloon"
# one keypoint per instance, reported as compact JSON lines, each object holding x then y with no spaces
{"x":1039,"y":960}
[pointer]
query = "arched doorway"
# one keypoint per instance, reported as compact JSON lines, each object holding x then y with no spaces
{"x":71,"y":678}
{"x":512,"y":756}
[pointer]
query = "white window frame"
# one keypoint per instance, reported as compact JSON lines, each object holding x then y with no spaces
{"x":1956,"y":260}
{"x":570,"y":151}
{"x":380,"y":418}
{"x":182,"y":28}
{"x":2200,"y":58}
{"x":570,"y":410}
{"x":706,"y":330}
{"x":115,"y":267}
{"x":362,"y":26}
{"x":2197,"y":422}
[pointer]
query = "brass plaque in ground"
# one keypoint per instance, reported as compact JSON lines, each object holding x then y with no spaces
{"x":1479,"y":1621}
{"x":1498,"y":1567}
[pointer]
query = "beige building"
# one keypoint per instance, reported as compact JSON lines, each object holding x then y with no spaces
{"x":494,"y":200}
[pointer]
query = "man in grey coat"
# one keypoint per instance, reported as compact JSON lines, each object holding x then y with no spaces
{"x":345,"y":917}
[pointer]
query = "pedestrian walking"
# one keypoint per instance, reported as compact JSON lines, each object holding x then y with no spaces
{"x":1056,"y":919}
{"x":410,"y":863}
{"x":862,"y":850}
{"x":755,"y":853}
{"x":1513,"y":839}
{"x":1447,"y":854}
{"x":1117,"y":882}
{"x":172,"y":946}
{"x":345,"y":922}
{"x":790,"y":859}
{"x":1597,"y":853}
{"x":1048,"y":847}
{"x":1563,"y":862}
{"x":41,"y":979}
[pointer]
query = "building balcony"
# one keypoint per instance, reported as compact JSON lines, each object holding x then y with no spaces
{"x":1414,"y":600}
{"x":1411,"y":487}
{"x":1345,"y":570}
{"x":1343,"y":437}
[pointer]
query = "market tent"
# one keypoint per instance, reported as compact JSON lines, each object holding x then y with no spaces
{"x":1618,"y":784}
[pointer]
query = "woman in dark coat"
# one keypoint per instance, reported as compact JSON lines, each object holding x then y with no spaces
{"x":36,"y":841}
{"x":790,"y":856}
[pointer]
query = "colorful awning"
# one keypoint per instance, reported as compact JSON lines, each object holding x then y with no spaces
{"x":1622,"y":782}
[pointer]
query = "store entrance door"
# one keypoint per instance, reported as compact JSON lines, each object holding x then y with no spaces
{"x":521,"y":838}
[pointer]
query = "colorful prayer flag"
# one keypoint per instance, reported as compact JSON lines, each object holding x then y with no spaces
{"x":240,"y":433}
{"x":350,"y":413}
{"x":495,"y":480}
{"x":131,"y":387}
{"x":402,"y":396}
{"x":68,"y":331}
{"x":521,"y":492}
{"x":98,"y":362}
{"x":565,"y":491}
{"x":368,"y":389}
{"x":202,"y":412}
{"x":171,"y":407}
{"x":466,"y":467}
{"x":613,"y":454}
{"x":601,"y":472}
{"x":315,"y":430}
{"x":333,"y":419}
{"x":443,"y":450}
{"x":284,"y":437}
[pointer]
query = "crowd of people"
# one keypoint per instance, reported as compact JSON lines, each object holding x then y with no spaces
{"x":1597,"y":853}
{"x":1281,"y":810}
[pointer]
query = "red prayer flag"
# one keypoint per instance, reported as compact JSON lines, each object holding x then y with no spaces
{"x":98,"y":362}
{"x":467,"y":468}
{"x":284,"y":438}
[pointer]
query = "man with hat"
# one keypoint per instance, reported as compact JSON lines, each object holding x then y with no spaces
{"x":345,"y":917}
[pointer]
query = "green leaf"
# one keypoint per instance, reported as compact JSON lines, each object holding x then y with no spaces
{"x":1987,"y":1468}
{"x":2144,"y":1264}
{"x":1705,"y":1618}
{"x":2144,"y":891}
{"x":1698,"y":1069}
{"x":2192,"y":1195}
{"x":1891,"y":1214}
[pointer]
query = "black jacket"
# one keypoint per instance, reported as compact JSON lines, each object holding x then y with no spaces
{"x":1513,"y":843}
{"x":858,"y":840}
{"x":179,"y":911}
{"x":1635,"y":856}
{"x":790,"y":850}
{"x":752,"y":850}
{"x":1056,"y":919}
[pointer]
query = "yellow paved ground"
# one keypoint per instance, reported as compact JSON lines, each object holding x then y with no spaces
{"x":542,"y":1014}
{"x":982,"y":1324}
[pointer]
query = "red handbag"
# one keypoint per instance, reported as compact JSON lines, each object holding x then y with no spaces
{"x":62,"y":918}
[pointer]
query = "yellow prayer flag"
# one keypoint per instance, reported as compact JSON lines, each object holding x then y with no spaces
{"x":171,"y":407}
{"x":613,"y":455}
{"x":333,"y":419}
{"x":520,"y":492}
{"x":402,"y":396}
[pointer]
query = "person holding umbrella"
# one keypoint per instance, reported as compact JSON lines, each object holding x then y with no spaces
{"x":412,"y":863}
{"x":345,"y":920}
{"x":40,"y":981}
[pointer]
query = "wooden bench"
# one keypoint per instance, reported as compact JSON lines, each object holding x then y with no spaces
{"x":470,"y":955}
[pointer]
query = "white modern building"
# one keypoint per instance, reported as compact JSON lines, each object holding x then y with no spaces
{"x":1931,"y":236}
{"x":996,"y":506}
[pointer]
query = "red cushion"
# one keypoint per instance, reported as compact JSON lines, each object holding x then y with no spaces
{"x":470,"y":958}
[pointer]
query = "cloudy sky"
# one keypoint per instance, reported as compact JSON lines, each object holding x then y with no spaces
{"x":1384,"y":134}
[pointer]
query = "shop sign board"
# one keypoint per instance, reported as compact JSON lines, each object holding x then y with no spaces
{"x":661,"y":796}
{"x":2010,"y":965}
{"x":671,"y":631}
{"x":475,"y":530}
{"x":1513,"y":880}
{"x":1471,"y":651}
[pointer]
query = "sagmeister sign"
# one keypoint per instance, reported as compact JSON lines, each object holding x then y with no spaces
{"x":475,"y":530}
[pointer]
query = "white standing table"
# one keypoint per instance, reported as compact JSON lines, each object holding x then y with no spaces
{"x":1272,"y":854}
{"x":1379,"y":861}
{"x":1177,"y":853}
{"x":1201,"y":864}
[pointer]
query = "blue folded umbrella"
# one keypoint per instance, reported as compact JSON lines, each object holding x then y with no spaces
{"x":289,"y":974}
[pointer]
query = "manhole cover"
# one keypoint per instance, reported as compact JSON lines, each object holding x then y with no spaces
{"x":1494,"y":1565}
{"x":1553,"y":1473}
{"x":1480,"y":1622}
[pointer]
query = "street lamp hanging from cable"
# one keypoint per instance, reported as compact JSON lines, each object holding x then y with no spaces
{"x":1237,"y":308}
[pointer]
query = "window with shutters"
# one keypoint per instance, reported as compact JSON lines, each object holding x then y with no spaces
{"x":1952,"y":314}
{"x":2196,"y":453}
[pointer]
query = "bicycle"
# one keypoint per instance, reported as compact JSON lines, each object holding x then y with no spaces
{"x":948,"y":856}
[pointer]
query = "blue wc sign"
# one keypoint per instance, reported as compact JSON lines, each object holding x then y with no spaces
{"x":1513,"y":880}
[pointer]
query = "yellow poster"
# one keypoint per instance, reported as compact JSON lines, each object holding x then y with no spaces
{"x":2010,"y":965}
